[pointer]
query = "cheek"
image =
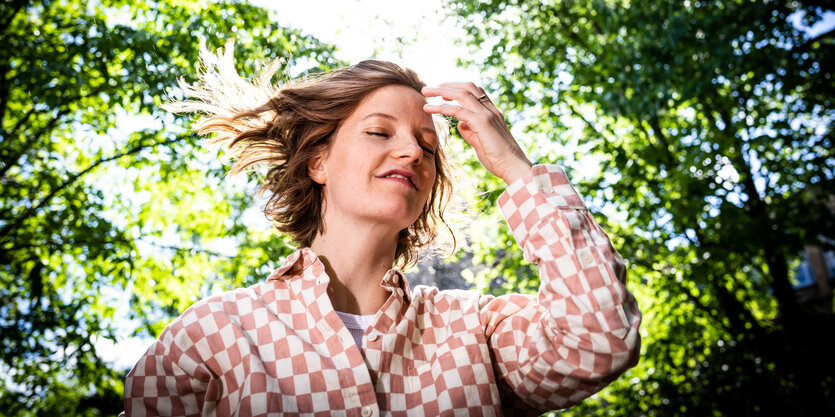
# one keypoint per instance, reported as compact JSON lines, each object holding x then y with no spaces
{"x":433,"y":175}
{"x":433,"y":178}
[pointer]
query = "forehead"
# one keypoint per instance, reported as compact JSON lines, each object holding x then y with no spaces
{"x":395,"y":102}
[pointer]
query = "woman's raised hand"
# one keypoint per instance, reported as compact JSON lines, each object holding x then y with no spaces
{"x":482,"y":125}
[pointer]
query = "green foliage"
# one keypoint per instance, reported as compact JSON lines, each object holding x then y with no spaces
{"x":711,"y":124}
{"x":102,"y":193}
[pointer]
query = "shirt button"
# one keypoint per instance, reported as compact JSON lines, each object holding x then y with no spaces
{"x":372,"y":337}
{"x":366,"y":411}
{"x":586,"y":258}
{"x":400,"y":292}
{"x":543,"y":183}
{"x":395,"y":278}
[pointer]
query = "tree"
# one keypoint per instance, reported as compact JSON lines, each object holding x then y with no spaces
{"x":102,"y":194}
{"x":711,"y":122}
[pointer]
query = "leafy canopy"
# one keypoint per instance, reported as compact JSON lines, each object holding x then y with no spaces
{"x":702,"y":133}
{"x":102,"y":194}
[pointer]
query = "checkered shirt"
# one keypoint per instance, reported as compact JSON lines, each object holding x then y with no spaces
{"x":278,"y":348}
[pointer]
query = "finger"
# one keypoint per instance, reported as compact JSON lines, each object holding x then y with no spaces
{"x":474,"y":89}
{"x":477,"y":92}
{"x":463,"y":96}
{"x":458,"y":112}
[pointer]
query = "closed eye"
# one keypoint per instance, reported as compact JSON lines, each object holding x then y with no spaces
{"x":380,"y":134}
{"x":427,"y":150}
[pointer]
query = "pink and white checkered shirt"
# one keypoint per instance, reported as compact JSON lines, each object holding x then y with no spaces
{"x":278,"y":348}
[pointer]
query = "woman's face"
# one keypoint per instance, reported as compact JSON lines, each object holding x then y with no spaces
{"x":380,"y":167}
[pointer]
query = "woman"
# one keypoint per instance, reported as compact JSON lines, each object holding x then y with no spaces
{"x":358,"y":179}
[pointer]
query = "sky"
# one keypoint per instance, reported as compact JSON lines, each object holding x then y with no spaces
{"x":415,"y":34}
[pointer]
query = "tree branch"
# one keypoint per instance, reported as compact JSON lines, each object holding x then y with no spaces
{"x":729,"y":303}
{"x":33,"y":137}
{"x":662,"y":140}
{"x":823,"y":4}
{"x":737,"y":160}
{"x":690,"y":296}
{"x":18,"y":5}
{"x":589,"y":123}
{"x":566,"y":29}
{"x":7,"y":230}
{"x":30,"y":141}
{"x":191,"y":250}
{"x":706,"y":309}
{"x":757,"y":210}
{"x":4,"y":96}
{"x":735,"y":310}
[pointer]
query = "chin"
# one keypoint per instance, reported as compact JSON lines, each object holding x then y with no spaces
{"x":402,"y":223}
{"x":399,"y":219}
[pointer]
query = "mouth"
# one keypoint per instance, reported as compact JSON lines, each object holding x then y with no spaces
{"x":405,"y":177}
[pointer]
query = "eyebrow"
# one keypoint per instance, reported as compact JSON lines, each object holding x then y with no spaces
{"x":390,"y":117}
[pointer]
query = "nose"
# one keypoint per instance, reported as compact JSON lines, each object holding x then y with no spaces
{"x":409,"y":149}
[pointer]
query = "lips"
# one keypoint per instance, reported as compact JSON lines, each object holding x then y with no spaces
{"x":401,"y":175}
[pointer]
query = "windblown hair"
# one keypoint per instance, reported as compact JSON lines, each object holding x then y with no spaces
{"x":285,"y":126}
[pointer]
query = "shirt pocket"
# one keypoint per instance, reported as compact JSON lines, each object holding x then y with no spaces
{"x":418,"y":376}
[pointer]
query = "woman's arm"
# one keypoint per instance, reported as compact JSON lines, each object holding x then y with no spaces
{"x":581,"y":331}
{"x":168,"y":380}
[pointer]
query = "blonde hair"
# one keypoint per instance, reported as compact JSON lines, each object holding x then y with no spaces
{"x":285,"y":126}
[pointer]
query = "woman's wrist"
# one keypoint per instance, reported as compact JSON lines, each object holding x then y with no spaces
{"x":521,"y":168}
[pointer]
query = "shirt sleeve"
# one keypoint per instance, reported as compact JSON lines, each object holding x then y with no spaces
{"x":581,"y":331}
{"x":168,"y":381}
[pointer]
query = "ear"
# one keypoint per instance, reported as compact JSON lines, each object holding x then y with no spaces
{"x":316,"y":169}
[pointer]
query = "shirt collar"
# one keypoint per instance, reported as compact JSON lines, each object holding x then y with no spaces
{"x":305,"y":264}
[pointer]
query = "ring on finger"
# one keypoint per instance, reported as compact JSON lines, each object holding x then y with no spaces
{"x":483,"y":97}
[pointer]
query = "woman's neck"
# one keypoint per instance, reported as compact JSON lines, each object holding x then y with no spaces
{"x":356,"y":259}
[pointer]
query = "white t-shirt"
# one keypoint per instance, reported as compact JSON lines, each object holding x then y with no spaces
{"x":357,"y":325}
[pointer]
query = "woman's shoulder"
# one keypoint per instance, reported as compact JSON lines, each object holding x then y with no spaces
{"x":211,"y":325}
{"x":238,"y":296}
{"x":219,"y":309}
